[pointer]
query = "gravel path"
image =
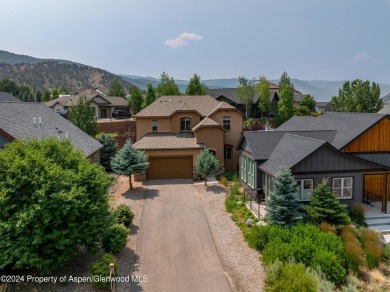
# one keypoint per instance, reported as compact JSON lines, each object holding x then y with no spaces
{"x":241,"y":262}
{"x":120,"y":194}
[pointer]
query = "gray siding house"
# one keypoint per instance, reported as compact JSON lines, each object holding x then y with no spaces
{"x":24,"y":120}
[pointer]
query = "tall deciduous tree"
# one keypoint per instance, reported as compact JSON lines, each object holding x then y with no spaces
{"x":325,"y":207}
{"x":108,"y":151}
{"x":195,"y":86}
{"x":283,"y":207}
{"x":116,"y":89}
{"x":245,"y":93}
{"x":167,"y":86}
{"x":52,"y":200}
{"x":82,"y":116}
{"x":150,"y":95}
{"x":206,"y":164}
{"x":136,"y":99}
{"x":286,"y":99}
{"x":264,"y":95}
{"x":129,"y":161}
{"x":358,"y":96}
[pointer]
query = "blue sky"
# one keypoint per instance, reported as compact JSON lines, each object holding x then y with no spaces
{"x":310,"y":39}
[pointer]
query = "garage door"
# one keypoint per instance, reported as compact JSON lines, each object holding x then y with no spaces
{"x":169,"y":168}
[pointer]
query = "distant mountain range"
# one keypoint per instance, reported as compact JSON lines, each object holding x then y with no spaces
{"x":50,"y":73}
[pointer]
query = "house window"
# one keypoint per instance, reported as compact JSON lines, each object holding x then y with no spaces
{"x":270,"y":184}
{"x":154,"y":126}
{"x":251,"y":173}
{"x":226,"y":123}
{"x":185,"y":124}
{"x":227,"y":153}
{"x":305,"y":189}
{"x":243,"y":168}
{"x":342,"y":187}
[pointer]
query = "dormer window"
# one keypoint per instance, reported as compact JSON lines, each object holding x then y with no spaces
{"x":185,"y":124}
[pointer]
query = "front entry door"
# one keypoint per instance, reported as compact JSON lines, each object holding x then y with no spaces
{"x":103,"y":113}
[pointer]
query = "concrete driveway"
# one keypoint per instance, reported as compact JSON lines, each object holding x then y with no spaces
{"x":175,"y":246}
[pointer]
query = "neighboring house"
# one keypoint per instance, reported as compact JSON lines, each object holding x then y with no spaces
{"x":24,"y":120}
{"x":174,"y":129}
{"x":323,"y":106}
{"x":352,"y":150}
{"x":229,"y":95}
{"x":385,"y":109}
{"x":102,"y":105}
{"x":5,"y":96}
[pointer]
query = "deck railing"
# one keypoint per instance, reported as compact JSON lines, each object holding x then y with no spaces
{"x":373,"y":200}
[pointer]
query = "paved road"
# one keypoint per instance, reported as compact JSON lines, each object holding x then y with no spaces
{"x":175,"y":246}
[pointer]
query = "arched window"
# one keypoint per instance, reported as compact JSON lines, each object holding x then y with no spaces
{"x":185,"y":124}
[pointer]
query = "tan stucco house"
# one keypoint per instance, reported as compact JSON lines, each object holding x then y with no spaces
{"x":102,"y":105}
{"x":174,"y":129}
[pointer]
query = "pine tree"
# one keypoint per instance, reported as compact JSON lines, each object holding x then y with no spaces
{"x":325,"y":207}
{"x":108,"y":151}
{"x":129,"y":161}
{"x":283,"y":207}
{"x":206,"y":164}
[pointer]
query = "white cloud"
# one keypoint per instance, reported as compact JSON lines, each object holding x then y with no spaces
{"x":363,"y":56}
{"x":181,"y":39}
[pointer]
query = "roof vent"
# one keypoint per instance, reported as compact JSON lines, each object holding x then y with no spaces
{"x":40,"y":121}
{"x":34,"y":121}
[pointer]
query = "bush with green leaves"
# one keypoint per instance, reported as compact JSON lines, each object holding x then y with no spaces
{"x":357,"y":214}
{"x":122,"y":215}
{"x":115,"y":238}
{"x":108,"y":151}
{"x":325,"y":207}
{"x":101,"y":270}
{"x":52,"y":200}
{"x":305,"y":243}
{"x":206,"y":164}
{"x":294,"y":277}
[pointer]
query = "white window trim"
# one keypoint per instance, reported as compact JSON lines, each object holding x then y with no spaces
{"x":243,"y":169}
{"x":301,"y":184}
{"x":251,"y":176}
{"x":342,"y":187}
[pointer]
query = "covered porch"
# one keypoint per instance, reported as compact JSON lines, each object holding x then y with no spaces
{"x":376,"y":188}
{"x":255,"y":202}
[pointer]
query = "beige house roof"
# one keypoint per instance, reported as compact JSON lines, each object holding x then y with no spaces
{"x":206,"y":122}
{"x":92,"y":95}
{"x":167,"y":141}
{"x":166,"y":106}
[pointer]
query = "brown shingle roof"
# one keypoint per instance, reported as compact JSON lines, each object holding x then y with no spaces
{"x":167,"y":141}
{"x":166,"y":106}
{"x":206,"y":122}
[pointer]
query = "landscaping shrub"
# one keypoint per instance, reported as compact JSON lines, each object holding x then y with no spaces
{"x":108,"y":151}
{"x":368,"y":235}
{"x":326,"y":227}
{"x":305,"y":243}
{"x":352,"y":284}
{"x":234,"y":190}
{"x":293,"y":277}
{"x":353,"y":251}
{"x":386,"y":252}
{"x":101,"y":269}
{"x":330,"y":265}
{"x":357,"y":214}
{"x":123,"y":215}
{"x":272,"y":272}
{"x":373,"y":254}
{"x":223,"y":181}
{"x":115,"y":238}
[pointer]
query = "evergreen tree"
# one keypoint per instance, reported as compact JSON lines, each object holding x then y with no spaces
{"x":195,"y":86}
{"x":264,"y":95}
{"x":136,"y":99}
{"x":245,"y":93}
{"x":46,"y":96}
{"x":82,"y":116}
{"x":129,"y":161}
{"x":54,"y":94}
{"x":283,"y":207}
{"x":108,"y":151}
{"x":206,"y":164}
{"x":150,"y":96}
{"x":325,"y":207}
{"x":167,"y":86}
{"x":116,"y":89}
